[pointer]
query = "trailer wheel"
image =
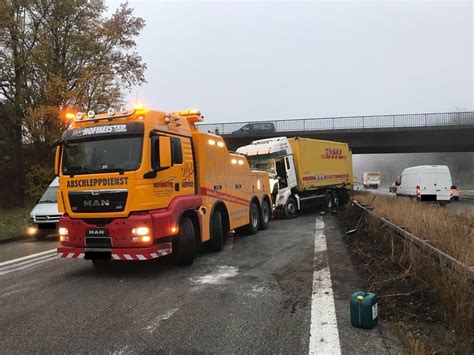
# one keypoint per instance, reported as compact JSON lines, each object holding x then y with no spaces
{"x":329,"y":202}
{"x":265,"y":215}
{"x":291,"y":207}
{"x":217,"y":241}
{"x":184,"y":245}
{"x":254,"y":220}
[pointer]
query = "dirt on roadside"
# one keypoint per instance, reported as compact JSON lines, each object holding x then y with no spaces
{"x":405,"y":300}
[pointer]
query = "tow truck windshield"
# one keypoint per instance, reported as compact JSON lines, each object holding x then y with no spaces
{"x":101,"y":156}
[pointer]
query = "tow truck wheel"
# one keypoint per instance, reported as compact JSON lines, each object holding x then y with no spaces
{"x":265,"y":215}
{"x":291,"y":208}
{"x":254,"y":219}
{"x":184,"y":245}
{"x":217,"y":241}
{"x":99,"y":263}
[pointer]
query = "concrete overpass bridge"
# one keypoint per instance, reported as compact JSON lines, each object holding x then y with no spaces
{"x":406,"y":133}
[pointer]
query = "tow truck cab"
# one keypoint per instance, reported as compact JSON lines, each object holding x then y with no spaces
{"x":141,"y":184}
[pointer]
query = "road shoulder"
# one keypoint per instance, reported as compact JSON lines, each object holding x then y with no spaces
{"x":345,"y":280}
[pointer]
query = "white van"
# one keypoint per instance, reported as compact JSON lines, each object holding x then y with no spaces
{"x":44,"y":217}
{"x":426,"y":183}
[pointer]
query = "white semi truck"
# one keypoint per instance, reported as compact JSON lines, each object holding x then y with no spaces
{"x":303,"y":171}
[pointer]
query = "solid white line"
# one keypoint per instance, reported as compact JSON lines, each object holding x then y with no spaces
{"x":29,"y":265}
{"x":26,"y":262}
{"x":324,"y":334}
{"x":51,"y":251}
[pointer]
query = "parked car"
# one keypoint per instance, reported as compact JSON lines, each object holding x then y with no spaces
{"x":426,"y":183}
{"x":454,"y":193}
{"x":393,"y":188}
{"x":256,"y":127}
{"x":44,"y":217}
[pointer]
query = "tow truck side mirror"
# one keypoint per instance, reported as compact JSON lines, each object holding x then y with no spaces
{"x":56,"y":160}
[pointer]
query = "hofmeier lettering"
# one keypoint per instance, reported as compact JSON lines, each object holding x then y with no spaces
{"x":90,"y":131}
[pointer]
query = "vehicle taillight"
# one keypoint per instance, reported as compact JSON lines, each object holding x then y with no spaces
{"x":418,"y":190}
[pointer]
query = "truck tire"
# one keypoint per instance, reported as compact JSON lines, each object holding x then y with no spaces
{"x":217,"y":241}
{"x":342,"y":198}
{"x":265,"y":215}
{"x":184,"y":245}
{"x":100,"y":263}
{"x":329,"y":202}
{"x":291,"y":208}
{"x":254,"y":220}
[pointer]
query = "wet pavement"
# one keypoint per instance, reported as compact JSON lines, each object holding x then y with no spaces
{"x":253,"y":297}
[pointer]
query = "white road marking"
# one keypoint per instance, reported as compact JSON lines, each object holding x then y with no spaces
{"x":27,"y":261}
{"x":324,"y":334}
{"x":50,"y":251}
{"x":36,"y":262}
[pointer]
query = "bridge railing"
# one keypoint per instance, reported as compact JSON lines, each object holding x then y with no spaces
{"x":338,"y":123}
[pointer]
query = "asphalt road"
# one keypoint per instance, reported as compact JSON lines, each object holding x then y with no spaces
{"x":263,"y":294}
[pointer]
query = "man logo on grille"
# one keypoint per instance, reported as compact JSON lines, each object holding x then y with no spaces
{"x":96,"y":203}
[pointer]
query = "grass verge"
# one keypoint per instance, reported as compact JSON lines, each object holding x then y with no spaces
{"x":447,"y":230}
{"x":13,"y":222}
{"x":431,"y":303}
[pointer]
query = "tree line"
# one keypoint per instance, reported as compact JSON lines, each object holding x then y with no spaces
{"x":57,"y":55}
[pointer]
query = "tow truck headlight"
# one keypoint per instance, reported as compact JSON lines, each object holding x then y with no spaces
{"x":31,"y":230}
{"x":141,"y":231}
{"x":63,"y":231}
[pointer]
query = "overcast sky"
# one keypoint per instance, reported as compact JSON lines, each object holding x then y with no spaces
{"x":238,"y":61}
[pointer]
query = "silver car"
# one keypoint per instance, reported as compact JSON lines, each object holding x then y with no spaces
{"x":44,"y":217}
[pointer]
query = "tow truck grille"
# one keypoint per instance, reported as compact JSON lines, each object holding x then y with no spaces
{"x":98,"y":200}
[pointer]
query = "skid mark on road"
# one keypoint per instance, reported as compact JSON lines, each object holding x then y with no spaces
{"x":217,"y":277}
{"x":324,"y":334}
{"x":156,"y":322}
{"x":25,"y":262}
